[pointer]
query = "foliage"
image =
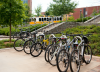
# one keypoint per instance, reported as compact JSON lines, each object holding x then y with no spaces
{"x":99,"y":10}
{"x":47,"y":13}
{"x":60,"y":7}
{"x":71,"y":19}
{"x":81,"y":15}
{"x":5,"y":30}
{"x":94,"y":12}
{"x":38,"y":10}
{"x":11,"y":9}
{"x":12,"y":12}
{"x":27,"y":13}
{"x":83,"y":19}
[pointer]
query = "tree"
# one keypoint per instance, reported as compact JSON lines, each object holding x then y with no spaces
{"x":81,"y":16}
{"x":27,"y":13}
{"x":60,"y":7}
{"x":99,"y":10}
{"x":38,"y":10}
{"x":94,"y":12}
{"x":12,"y":12}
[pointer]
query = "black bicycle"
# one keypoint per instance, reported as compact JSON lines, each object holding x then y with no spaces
{"x":21,"y":37}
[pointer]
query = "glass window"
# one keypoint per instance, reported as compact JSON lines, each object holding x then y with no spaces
{"x":25,"y":1}
{"x":39,"y":19}
{"x":44,"y":19}
{"x":60,"y":18}
{"x":47,"y":19}
{"x":50,"y":19}
{"x":57,"y":18}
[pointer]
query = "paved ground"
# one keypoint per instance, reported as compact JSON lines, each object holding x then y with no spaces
{"x":13,"y":61}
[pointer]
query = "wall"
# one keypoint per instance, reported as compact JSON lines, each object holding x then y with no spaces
{"x":89,"y":10}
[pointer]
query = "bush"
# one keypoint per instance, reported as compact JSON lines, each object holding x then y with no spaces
{"x":5,"y":31}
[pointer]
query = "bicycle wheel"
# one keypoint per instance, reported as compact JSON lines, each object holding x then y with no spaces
{"x":46,"y":53}
{"x":75,"y":61}
{"x":27,"y":45}
{"x":87,"y":54}
{"x":18,"y":44}
{"x":62,"y":60}
{"x":52,"y":55}
{"x":36,"y":49}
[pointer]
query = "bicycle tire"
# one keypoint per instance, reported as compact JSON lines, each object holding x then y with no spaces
{"x":65,"y":54}
{"x":34,"y":48}
{"x":89,"y":50}
{"x":52,"y":57}
{"x":27,"y":45}
{"x":77,"y":61}
{"x":16,"y":43}
{"x":46,"y":53}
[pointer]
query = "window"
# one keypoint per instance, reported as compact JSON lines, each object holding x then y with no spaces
{"x":47,"y":19}
{"x":60,"y":18}
{"x":39,"y":19}
{"x":57,"y":18}
{"x":25,"y":1}
{"x":44,"y":19}
{"x":50,"y":19}
{"x":30,"y":20}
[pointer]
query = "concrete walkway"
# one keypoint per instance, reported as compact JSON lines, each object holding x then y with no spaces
{"x":13,"y":61}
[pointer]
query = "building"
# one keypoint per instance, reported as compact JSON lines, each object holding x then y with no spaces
{"x":29,"y":2}
{"x":86,"y":11}
{"x":42,"y":13}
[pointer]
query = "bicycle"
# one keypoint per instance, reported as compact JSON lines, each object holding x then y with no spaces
{"x":54,"y":41}
{"x":55,"y":48}
{"x":80,"y":58}
{"x":38,"y":47}
{"x":64,"y":54}
{"x":21,"y":37}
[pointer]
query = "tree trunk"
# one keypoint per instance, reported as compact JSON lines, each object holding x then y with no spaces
{"x":10,"y":30}
{"x":10,"y":26}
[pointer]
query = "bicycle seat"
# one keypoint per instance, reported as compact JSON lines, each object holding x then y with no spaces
{"x":34,"y":33}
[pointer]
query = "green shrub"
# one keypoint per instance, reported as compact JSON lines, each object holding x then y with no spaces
{"x":5,"y":31}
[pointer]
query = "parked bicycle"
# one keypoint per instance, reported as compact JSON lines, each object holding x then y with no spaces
{"x":62,"y":59}
{"x":83,"y":54}
{"x":21,"y":37}
{"x":38,"y":47}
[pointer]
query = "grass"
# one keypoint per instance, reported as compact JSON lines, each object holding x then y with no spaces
{"x":5,"y":43}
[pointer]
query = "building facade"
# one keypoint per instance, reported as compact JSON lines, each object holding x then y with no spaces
{"x":29,"y":2}
{"x":86,"y":11}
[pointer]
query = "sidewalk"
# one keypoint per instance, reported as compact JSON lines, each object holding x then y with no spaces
{"x":13,"y":61}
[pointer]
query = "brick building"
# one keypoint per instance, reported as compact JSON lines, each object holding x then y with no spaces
{"x":86,"y":11}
